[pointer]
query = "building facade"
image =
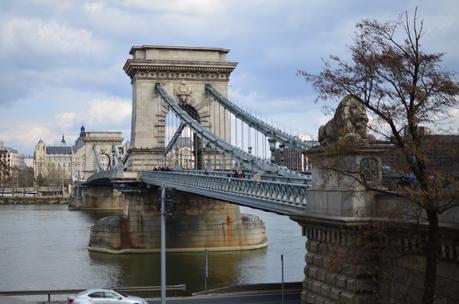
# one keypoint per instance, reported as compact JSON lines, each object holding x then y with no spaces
{"x":95,"y":151}
{"x":10,"y":162}
{"x":293,"y":159}
{"x":92,"y":152}
{"x":54,"y":162}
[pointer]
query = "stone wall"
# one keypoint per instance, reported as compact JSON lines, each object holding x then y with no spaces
{"x":41,"y":200}
{"x":96,"y":197}
{"x":193,"y":223}
{"x":349,"y":265}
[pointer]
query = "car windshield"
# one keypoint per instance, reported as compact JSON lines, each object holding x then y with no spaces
{"x":122,"y":293}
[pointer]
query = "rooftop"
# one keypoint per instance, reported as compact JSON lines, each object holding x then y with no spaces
{"x":58,"y":150}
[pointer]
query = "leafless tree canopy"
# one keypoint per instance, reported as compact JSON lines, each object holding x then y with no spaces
{"x":404,"y":88}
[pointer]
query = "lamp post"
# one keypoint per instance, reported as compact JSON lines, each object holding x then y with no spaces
{"x":208,"y":156}
{"x":176,"y":157}
{"x":281,"y":149}
{"x":272,"y":146}
{"x":251,"y":161}
{"x":113,"y":164}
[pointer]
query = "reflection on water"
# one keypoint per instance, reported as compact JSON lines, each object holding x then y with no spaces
{"x":44,"y":247}
{"x":225,"y":268}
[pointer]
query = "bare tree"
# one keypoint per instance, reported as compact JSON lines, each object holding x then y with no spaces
{"x":5,"y":172}
{"x":404,"y":88}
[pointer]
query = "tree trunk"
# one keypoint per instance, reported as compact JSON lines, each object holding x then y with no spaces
{"x":431,"y":253}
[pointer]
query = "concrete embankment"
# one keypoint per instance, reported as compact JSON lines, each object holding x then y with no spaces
{"x":38,"y":200}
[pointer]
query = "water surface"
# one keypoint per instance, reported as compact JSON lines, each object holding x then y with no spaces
{"x":45,"y":247}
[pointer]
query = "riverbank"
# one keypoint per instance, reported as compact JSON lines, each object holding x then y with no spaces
{"x":34,"y":200}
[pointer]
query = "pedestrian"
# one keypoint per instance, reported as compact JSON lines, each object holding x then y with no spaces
{"x":257,"y":177}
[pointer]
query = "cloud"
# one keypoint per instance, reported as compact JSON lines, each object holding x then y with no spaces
{"x":80,"y":46}
{"x":297,"y":115}
{"x":26,"y":135}
{"x":108,"y":111}
{"x":23,"y":128}
{"x":35,"y":53}
{"x":35,"y":35}
{"x":67,"y":119}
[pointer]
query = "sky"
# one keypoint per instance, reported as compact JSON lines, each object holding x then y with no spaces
{"x":61,"y":60}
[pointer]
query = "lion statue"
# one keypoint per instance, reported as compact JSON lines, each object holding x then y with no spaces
{"x":349,"y":122}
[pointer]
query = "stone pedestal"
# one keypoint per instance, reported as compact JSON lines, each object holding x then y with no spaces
{"x":339,"y":260}
{"x":363,"y":245}
{"x":339,"y":266}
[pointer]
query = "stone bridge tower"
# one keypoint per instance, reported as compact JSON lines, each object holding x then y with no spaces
{"x":183,"y":71}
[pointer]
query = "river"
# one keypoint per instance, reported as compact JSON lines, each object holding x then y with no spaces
{"x":44,"y":247}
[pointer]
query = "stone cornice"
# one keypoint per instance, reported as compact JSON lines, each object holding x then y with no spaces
{"x":350,"y":148}
{"x":145,"y":150}
{"x":134,"y":66}
{"x":170,"y":47}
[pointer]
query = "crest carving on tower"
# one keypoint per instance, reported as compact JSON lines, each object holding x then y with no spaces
{"x":183,"y":92}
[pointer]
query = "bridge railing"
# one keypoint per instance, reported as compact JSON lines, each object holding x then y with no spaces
{"x":275,"y":196}
{"x":305,"y":179}
{"x":108,"y":174}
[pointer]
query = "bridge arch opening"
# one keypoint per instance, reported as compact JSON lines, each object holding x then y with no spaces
{"x":187,"y":147}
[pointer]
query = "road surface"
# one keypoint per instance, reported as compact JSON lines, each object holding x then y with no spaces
{"x":254,"y":297}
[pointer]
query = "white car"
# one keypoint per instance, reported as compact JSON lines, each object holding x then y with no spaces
{"x":104,"y":296}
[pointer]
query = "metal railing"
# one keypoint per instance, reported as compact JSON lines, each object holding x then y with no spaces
{"x":279,"y":197}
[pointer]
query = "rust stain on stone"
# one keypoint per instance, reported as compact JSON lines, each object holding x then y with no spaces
{"x":228,"y":230}
{"x":125,"y":234}
{"x":229,"y":221}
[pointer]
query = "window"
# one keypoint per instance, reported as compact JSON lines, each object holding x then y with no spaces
{"x":97,"y":294}
{"x":111,"y":295}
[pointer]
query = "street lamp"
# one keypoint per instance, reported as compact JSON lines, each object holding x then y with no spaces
{"x":272,"y":146}
{"x":112,"y":165}
{"x":208,"y":156}
{"x":176,"y":157}
{"x":281,"y":149}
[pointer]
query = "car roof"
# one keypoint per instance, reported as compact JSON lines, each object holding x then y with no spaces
{"x":88,"y":291}
{"x":95,"y":290}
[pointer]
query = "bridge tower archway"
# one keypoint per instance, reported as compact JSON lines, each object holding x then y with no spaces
{"x":187,"y":149}
{"x":183,"y":72}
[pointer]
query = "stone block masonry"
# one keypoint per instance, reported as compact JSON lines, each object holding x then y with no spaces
{"x":193,"y":224}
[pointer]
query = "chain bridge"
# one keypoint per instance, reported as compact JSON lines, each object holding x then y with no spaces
{"x":266,"y":186}
{"x":188,"y":136}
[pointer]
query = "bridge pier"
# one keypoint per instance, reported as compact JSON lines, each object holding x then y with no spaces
{"x":95,"y":197}
{"x":193,"y":223}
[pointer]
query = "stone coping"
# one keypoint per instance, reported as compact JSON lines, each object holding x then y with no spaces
{"x":176,"y":47}
{"x":172,"y":250}
{"x":350,"y":221}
